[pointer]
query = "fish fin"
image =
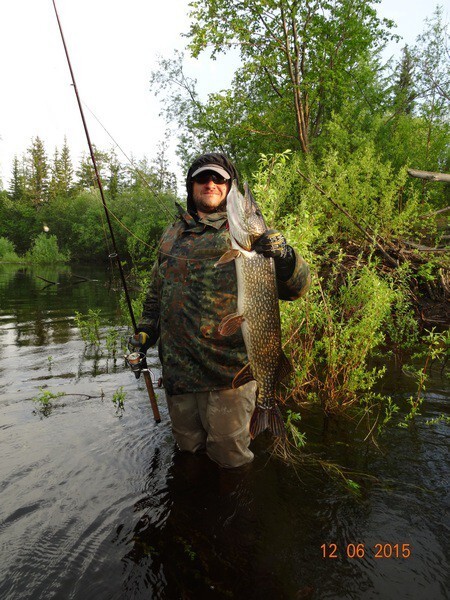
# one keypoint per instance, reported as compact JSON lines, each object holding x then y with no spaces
{"x":230,"y":324}
{"x":243,"y":376}
{"x":227,"y":257}
{"x":276,"y":422}
{"x":259,"y":421}
{"x":267,"y":418}
{"x":284,"y":367}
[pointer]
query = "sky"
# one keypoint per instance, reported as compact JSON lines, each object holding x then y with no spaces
{"x":113,"y":45}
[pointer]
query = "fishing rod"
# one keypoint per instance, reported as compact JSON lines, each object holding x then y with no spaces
{"x":136,"y":360}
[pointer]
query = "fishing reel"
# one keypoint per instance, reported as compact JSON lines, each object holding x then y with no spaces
{"x":137,"y":362}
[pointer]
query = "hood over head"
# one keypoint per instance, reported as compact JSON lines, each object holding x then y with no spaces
{"x":208,"y":162}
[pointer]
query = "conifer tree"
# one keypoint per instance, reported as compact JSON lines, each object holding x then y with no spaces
{"x":65,"y":169}
{"x":404,"y":89}
{"x":85,"y":173}
{"x":17,"y":182}
{"x":115,"y":180}
{"x":37,"y":172}
{"x":62,"y":173}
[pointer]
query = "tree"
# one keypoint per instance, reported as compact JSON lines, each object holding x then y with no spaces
{"x":404,"y":89}
{"x":17,"y":182}
{"x":37,"y":172}
{"x":116,"y":175}
{"x":165,"y":179}
{"x":85,"y":173}
{"x":62,"y":173}
{"x":65,"y":170}
{"x":301,"y":60}
{"x":433,"y":81}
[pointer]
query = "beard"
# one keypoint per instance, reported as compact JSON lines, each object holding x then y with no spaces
{"x":200,"y":205}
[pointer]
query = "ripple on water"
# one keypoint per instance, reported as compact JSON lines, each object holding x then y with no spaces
{"x":63,"y":507}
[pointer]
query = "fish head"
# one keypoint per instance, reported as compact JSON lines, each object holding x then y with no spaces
{"x":245,"y":220}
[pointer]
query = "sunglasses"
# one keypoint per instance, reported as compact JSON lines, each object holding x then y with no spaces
{"x":206,"y":177}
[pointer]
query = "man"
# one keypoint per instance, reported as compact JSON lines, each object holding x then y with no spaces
{"x":188,"y":298}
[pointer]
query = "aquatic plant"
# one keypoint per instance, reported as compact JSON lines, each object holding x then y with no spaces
{"x":89,"y":326}
{"x":435,"y":347}
{"x":44,"y":399}
{"x":118,"y":399}
{"x":111,"y":343}
{"x":297,"y":437}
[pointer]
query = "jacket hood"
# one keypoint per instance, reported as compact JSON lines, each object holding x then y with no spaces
{"x":205,"y":159}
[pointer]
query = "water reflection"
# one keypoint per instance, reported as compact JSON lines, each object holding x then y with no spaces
{"x":200,"y":535}
{"x":41,"y":313}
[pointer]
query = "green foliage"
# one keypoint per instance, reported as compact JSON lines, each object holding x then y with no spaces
{"x":45,"y":251}
{"x":112,"y":339}
{"x":7,"y":252}
{"x":49,"y":197}
{"x":352,"y":309}
{"x":61,"y":173}
{"x":44,"y":400}
{"x":388,"y":411}
{"x":340,"y":329}
{"x":118,"y":399}
{"x":435,"y":346}
{"x":18,"y":223}
{"x":89,"y":326}
{"x":37,"y":172}
{"x":297,"y":66}
{"x":440,"y":419}
{"x":298,"y":438}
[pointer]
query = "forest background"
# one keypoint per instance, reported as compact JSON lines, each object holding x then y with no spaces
{"x":325,"y":132}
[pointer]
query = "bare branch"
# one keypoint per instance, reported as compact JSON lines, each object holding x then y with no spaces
{"x":430,"y":176}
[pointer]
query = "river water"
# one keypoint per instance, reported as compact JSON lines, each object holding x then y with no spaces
{"x":98,"y":504}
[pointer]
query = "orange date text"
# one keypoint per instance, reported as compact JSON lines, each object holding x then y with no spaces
{"x":382,"y":550}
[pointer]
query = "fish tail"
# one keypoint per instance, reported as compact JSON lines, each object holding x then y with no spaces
{"x":276,"y":422}
{"x":267,"y":418}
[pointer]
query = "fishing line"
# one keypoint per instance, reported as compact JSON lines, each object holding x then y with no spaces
{"x":171,"y":214}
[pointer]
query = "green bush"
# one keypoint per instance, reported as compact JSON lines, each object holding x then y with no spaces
{"x":335,"y":333}
{"x":45,"y":251}
{"x":7,"y":251}
{"x":332,"y":337}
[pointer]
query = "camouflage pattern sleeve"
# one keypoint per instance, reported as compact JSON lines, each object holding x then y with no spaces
{"x":298,"y":283}
{"x":149,"y":321}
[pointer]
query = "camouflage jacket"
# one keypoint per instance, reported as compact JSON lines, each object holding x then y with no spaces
{"x":187,"y":299}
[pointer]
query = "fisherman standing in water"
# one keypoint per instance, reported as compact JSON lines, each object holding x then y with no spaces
{"x":187,"y":300}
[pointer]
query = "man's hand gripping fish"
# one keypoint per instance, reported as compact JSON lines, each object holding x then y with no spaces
{"x":258,"y":311}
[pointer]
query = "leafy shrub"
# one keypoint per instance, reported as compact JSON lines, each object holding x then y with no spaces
{"x":45,"y":251}
{"x":333,"y":334}
{"x":7,"y":251}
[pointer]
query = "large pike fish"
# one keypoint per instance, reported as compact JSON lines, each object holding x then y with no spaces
{"x":258,"y":312}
